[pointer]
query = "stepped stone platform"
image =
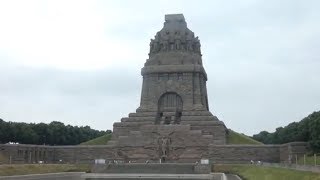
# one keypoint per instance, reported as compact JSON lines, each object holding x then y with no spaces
{"x":153,"y":176}
{"x":154,"y":171}
{"x":153,"y":168}
{"x":184,"y":142}
{"x":121,"y":176}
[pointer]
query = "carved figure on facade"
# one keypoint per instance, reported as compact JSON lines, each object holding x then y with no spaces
{"x":189,"y":45}
{"x":197,"y":45}
{"x":164,"y":143}
{"x":164,"y":45}
{"x":177,"y":44}
{"x":174,"y":41}
{"x":152,"y":46}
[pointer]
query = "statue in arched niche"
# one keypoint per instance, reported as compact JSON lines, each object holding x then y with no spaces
{"x":164,"y":45}
{"x":177,"y":44}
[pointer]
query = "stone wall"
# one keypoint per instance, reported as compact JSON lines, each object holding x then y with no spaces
{"x":244,"y":153}
{"x":153,"y":168}
{"x":289,"y":151}
{"x":20,"y":153}
{"x":82,"y":154}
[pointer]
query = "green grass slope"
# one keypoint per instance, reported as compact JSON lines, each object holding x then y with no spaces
{"x":236,"y":138}
{"x":253,"y":172}
{"x":102,"y":140}
{"x":232,"y":138}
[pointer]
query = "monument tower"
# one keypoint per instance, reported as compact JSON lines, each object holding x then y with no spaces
{"x":173,"y":122}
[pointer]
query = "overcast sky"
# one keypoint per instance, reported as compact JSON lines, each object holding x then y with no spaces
{"x":79,"y":62}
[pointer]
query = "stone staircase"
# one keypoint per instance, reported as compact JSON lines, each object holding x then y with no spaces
{"x":199,"y":120}
{"x":138,"y":136}
{"x":150,"y":171}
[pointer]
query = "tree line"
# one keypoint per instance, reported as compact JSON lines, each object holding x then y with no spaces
{"x":54,"y":133}
{"x":308,"y":129}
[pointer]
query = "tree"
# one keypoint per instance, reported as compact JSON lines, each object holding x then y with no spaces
{"x":54,"y":133}
{"x":308,"y":129}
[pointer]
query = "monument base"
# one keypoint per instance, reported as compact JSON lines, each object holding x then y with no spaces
{"x":153,"y":168}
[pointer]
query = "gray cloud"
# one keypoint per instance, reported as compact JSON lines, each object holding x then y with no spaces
{"x":96,"y":98}
{"x":261,"y":58}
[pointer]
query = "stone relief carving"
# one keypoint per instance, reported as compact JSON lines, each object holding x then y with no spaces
{"x":164,"y":143}
{"x":119,"y":154}
{"x":179,"y":40}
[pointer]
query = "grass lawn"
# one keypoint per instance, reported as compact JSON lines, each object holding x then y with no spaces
{"x":102,"y":140}
{"x":22,"y":169}
{"x":236,"y":138}
{"x":253,"y":172}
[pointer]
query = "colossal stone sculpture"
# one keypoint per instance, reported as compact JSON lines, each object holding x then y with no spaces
{"x":174,"y":102}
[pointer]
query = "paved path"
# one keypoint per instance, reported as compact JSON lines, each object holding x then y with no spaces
{"x":49,"y":176}
{"x":147,"y":176}
{"x":232,"y":177}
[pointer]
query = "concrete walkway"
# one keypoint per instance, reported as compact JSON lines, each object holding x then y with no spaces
{"x":122,"y":176}
{"x":232,"y":177}
{"x":49,"y":176}
{"x":145,"y":176}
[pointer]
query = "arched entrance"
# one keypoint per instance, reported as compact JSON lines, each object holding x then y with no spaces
{"x":170,"y":107}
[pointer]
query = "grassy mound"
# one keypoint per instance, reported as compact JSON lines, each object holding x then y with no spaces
{"x":236,"y":138}
{"x":102,"y":140}
{"x":22,"y":169}
{"x":232,"y":138}
{"x":253,"y":172}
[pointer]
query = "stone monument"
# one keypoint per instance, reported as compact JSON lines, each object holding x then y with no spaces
{"x":173,"y":122}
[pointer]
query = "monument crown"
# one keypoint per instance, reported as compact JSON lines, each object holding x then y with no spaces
{"x":174,"y":36}
{"x":174,"y":21}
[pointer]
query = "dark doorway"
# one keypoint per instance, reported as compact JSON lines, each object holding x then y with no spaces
{"x":170,"y":107}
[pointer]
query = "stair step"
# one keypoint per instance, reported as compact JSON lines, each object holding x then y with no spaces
{"x":198,"y":118}
{"x":137,"y":119}
{"x":112,"y":142}
{"x":136,"y":133}
{"x":143,"y":114}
